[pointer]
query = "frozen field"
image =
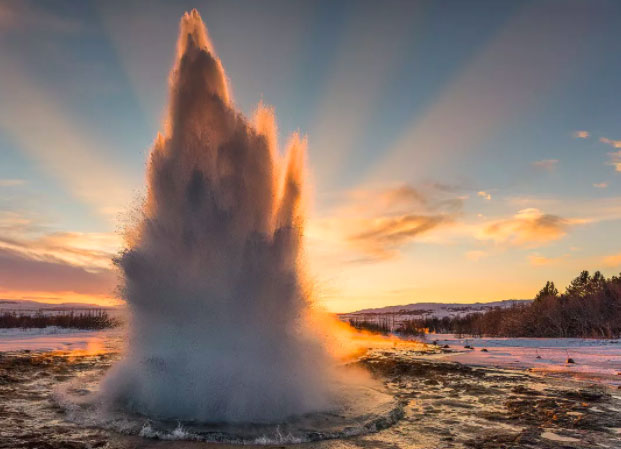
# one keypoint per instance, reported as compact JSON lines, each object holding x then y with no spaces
{"x":58,"y":339}
{"x":599,"y":359}
{"x":440,"y":404}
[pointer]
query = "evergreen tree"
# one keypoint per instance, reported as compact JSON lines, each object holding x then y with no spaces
{"x":548,"y":290}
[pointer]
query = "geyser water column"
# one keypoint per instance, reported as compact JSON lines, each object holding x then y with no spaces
{"x":211,"y":273}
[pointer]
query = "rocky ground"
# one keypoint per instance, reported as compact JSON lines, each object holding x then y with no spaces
{"x":450,"y":405}
{"x":447,"y":405}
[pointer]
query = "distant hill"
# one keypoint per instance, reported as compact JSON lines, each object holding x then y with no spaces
{"x":430,"y":309}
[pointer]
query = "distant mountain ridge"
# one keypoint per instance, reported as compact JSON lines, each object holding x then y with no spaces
{"x":436,"y":309}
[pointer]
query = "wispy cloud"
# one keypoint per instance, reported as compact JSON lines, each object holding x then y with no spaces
{"x":580,"y":134}
{"x":585,"y":209}
{"x":615,"y":159}
{"x":612,"y":143}
{"x":538,"y":260}
{"x":57,"y":266}
{"x":546,"y":164}
{"x":17,"y":223}
{"x":528,"y":228}
{"x":600,"y":185}
{"x":377,"y":223}
{"x":381,"y":237}
{"x":91,"y":251}
{"x":33,"y":238}
{"x":485,"y":195}
{"x":19,"y":272}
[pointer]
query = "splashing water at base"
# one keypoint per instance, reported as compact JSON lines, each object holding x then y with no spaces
{"x":362,"y":409}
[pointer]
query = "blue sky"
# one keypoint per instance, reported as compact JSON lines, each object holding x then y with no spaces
{"x":457,"y":150}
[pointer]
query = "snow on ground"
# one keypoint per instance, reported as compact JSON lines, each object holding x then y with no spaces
{"x":36,"y":331}
{"x":597,"y":359}
{"x":53,"y":338}
{"x":593,"y":358}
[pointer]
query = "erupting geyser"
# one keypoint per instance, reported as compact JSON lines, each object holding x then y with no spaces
{"x":212,"y":276}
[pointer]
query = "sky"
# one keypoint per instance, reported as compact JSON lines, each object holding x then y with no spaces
{"x":457,"y":151}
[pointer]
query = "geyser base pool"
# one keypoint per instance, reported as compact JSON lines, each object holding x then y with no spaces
{"x":362,"y":409}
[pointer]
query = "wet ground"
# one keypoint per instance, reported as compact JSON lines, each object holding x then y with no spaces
{"x":445,"y":405}
{"x":451,"y":405}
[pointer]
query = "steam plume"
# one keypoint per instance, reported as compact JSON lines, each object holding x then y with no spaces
{"x":212,"y":269}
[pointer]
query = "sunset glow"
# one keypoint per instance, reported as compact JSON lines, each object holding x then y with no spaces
{"x":450,"y":156}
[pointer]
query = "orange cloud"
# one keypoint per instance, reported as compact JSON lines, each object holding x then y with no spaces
{"x":613,"y":260}
{"x":580,"y":134}
{"x":57,"y":266}
{"x":12,"y":222}
{"x":381,"y":237}
{"x":485,"y":195}
{"x":612,"y":143}
{"x":91,"y":251}
{"x":400,"y":199}
{"x":601,"y":185}
{"x":378,"y":222}
{"x":27,"y":234}
{"x":529,"y":227}
{"x":538,"y":260}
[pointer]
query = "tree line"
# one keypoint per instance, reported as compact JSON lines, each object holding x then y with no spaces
{"x":590,"y":307}
{"x":92,"y":319}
